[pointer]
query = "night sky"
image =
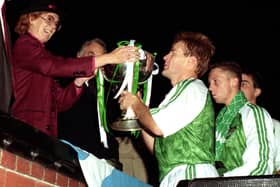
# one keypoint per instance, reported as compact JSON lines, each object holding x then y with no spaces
{"x":246,"y":32}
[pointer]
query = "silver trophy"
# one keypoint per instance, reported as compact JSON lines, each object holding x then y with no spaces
{"x":130,"y":76}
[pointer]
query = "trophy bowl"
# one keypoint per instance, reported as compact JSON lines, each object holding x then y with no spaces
{"x":115,"y":73}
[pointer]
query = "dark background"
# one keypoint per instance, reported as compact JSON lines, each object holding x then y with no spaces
{"x":247,"y":32}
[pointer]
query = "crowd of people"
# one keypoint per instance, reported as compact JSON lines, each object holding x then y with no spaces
{"x":183,"y":133}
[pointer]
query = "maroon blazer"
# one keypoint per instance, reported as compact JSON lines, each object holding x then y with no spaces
{"x":38,"y":97}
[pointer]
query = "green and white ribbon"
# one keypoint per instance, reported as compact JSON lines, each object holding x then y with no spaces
{"x":101,"y":108}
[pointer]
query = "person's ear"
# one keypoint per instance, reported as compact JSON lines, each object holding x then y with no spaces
{"x":234,"y":82}
{"x":31,"y":19}
{"x":258,"y":92}
{"x":193,"y":60}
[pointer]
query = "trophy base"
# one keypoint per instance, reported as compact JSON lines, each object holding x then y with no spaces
{"x":126,"y":125}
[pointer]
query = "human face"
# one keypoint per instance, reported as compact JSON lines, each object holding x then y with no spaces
{"x":44,"y":26}
{"x":247,"y":87}
{"x":175,"y":61}
{"x":221,"y":86}
{"x":94,"y":49}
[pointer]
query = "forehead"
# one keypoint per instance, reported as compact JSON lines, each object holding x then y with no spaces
{"x":95,"y":47}
{"x":217,"y":72}
{"x":248,"y":78}
{"x":51,"y":14}
{"x":179,"y":46}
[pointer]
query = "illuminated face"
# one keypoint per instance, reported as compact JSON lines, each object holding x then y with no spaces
{"x":94,"y":49}
{"x":44,"y":26}
{"x":247,"y":87}
{"x":175,"y":61}
{"x":220,"y":86}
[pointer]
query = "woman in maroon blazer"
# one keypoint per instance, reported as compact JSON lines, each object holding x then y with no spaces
{"x":38,"y":97}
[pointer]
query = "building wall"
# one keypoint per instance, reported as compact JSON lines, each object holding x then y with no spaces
{"x":16,"y":171}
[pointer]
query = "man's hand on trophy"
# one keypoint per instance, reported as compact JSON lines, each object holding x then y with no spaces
{"x":128,"y":99}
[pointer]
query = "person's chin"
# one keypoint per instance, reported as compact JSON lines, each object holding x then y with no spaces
{"x":46,"y":39}
{"x":164,"y":73}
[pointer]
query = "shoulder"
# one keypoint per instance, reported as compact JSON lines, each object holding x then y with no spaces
{"x":26,"y":40}
{"x":276,"y":125}
{"x":197,"y":86}
{"x":249,"y":107}
{"x":192,"y":84}
{"x":250,"y":110}
{"x":276,"y":122}
{"x":193,"y":90}
{"x":26,"y":44}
